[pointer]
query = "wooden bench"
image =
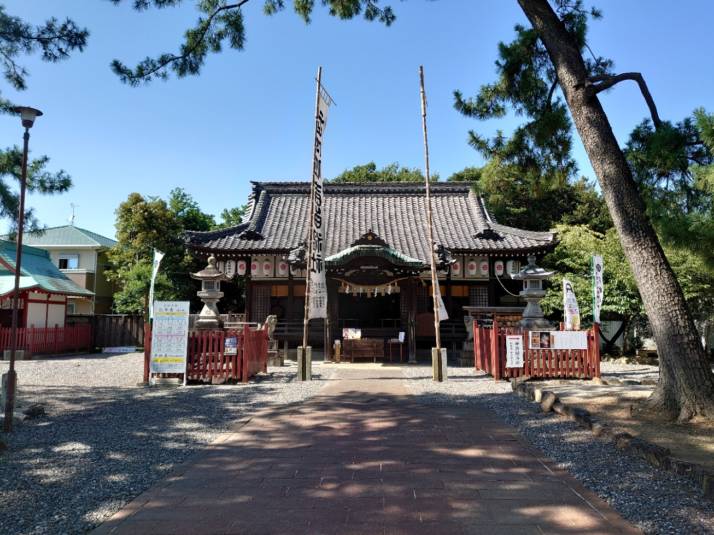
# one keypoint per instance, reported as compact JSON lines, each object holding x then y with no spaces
{"x":363,"y":348}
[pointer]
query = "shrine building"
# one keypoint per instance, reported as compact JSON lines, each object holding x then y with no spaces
{"x":377,"y":260}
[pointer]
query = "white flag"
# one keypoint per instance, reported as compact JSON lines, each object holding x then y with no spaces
{"x":443,"y":314}
{"x":316,"y":263}
{"x":598,"y":287}
{"x":570,"y":307}
{"x":158,"y":256}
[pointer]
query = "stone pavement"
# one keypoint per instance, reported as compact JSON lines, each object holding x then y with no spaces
{"x":364,"y":457}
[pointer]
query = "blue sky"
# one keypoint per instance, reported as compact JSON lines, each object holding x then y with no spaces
{"x":249,"y":115}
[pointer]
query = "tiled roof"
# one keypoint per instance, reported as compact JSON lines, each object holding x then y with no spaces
{"x":37,"y":271}
{"x":68,"y":235}
{"x":278,"y":216}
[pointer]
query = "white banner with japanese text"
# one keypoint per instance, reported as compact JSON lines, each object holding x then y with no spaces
{"x":570,"y":307}
{"x":598,"y":287}
{"x":158,"y":256}
{"x":318,"y":282}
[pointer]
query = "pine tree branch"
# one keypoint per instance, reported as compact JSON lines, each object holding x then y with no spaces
{"x":166,"y":60}
{"x":597,"y":84}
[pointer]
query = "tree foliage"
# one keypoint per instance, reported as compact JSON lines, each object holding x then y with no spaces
{"x":39,"y":180}
{"x":674,"y":168}
{"x":147,"y":223}
{"x":220,"y":24}
{"x":519,"y":200}
{"x":539,"y":149}
{"x":54,"y":41}
{"x":392,"y":172}
{"x":231,"y":217}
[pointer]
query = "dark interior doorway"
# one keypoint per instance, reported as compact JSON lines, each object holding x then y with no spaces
{"x":369,"y":312}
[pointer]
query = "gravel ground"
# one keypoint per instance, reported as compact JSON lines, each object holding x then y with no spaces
{"x":104,"y":440}
{"x":654,"y":500}
{"x":628,"y":372}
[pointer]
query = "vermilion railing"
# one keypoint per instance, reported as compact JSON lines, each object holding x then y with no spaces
{"x":209,"y":360}
{"x":490,"y":356}
{"x":48,"y":340}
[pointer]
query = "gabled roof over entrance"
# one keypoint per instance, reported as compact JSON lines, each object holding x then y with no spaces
{"x":37,"y":272}
{"x":371,"y":245}
{"x":279,"y":211}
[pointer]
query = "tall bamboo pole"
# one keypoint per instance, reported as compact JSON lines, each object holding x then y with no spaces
{"x":430,"y":231}
{"x":310,"y":237}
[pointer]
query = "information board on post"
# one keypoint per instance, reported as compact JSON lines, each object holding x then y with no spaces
{"x":169,"y":337}
{"x":514,"y":351}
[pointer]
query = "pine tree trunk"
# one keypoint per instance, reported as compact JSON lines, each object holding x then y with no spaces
{"x":686,"y":384}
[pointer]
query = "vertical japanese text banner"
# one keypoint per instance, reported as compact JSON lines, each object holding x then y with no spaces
{"x":158,"y":256}
{"x":598,"y":287}
{"x":570,"y":307}
{"x":318,"y":282}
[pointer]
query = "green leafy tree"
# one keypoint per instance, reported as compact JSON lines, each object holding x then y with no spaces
{"x":543,"y":73}
{"x":571,"y":260}
{"x":231,"y":217}
{"x":521,"y":201}
{"x":144,"y":224}
{"x":187,"y":211}
{"x":389,"y":173}
{"x":674,"y":168}
{"x":621,"y":301}
{"x":53,"y":41}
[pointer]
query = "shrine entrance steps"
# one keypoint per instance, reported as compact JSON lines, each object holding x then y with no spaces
{"x":366,"y":457}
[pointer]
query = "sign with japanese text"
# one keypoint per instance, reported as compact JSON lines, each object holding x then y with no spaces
{"x":598,"y":287}
{"x":318,"y":281}
{"x":514,"y":351}
{"x":231,"y":345}
{"x":570,"y":307}
{"x":169,"y":337}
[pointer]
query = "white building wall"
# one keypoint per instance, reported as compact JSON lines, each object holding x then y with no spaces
{"x":55,"y":315}
{"x":36,"y":315}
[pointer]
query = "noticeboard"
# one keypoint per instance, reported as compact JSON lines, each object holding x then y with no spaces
{"x":514,"y":351}
{"x":558,"y":340}
{"x":231,"y":345}
{"x":169,"y":337}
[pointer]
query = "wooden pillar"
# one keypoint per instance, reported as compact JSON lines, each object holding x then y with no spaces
{"x":331,"y":319}
{"x":411,"y":319}
{"x":248,"y":297}
{"x":449,"y":302}
{"x":291,"y":297}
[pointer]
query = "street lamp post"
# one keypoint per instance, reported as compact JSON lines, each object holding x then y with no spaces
{"x":28,"y":116}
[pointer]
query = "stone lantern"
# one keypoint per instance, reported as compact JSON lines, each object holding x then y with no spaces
{"x":533,"y":277}
{"x":210,"y":294}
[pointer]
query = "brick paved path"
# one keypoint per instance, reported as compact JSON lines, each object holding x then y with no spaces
{"x":364,"y":458}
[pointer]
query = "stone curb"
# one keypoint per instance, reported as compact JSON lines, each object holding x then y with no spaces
{"x":655,"y":455}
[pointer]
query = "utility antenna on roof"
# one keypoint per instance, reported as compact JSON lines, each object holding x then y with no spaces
{"x":71,"y":219}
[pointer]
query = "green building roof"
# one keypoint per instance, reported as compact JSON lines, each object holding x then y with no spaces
{"x":67,"y":235}
{"x":37,"y":272}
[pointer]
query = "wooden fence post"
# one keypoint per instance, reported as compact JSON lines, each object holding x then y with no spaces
{"x":495,"y":357}
{"x":147,"y":350}
{"x":477,"y":345}
{"x":246,"y":353}
{"x":596,"y":349}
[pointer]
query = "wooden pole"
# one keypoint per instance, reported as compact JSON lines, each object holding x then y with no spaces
{"x":306,"y":319}
{"x":430,"y":230}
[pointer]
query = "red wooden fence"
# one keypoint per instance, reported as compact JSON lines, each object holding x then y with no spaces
{"x":43,"y":341}
{"x":490,"y":356}
{"x":207,"y":358}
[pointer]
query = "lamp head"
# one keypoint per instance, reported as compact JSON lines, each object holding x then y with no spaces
{"x":27,"y":114}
